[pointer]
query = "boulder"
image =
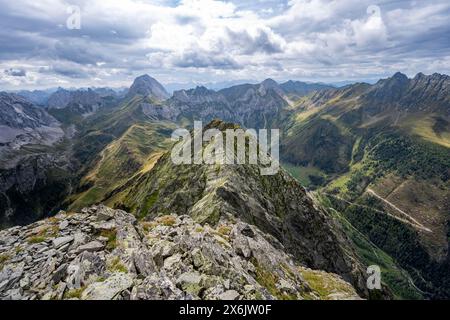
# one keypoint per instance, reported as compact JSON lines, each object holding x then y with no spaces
{"x":109,"y":289}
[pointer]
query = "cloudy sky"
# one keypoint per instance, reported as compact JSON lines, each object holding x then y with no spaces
{"x":207,"y":41}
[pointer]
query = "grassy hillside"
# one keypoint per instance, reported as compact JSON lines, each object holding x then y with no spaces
{"x":121,"y":160}
{"x":393,"y":276}
{"x":386,"y":170}
{"x":113,"y":147}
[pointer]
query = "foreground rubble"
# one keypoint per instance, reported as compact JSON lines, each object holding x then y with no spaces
{"x":106,"y":254}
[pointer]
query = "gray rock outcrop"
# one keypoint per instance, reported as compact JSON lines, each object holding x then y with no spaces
{"x":104,"y":254}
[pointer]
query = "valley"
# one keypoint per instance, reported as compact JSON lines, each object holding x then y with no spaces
{"x":367,"y":175}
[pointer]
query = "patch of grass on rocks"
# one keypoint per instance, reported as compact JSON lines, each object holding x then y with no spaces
{"x":117,"y":266}
{"x":111,"y":235}
{"x":168,"y":221}
{"x":36,"y":239}
{"x":3,"y":259}
{"x":74,"y":293}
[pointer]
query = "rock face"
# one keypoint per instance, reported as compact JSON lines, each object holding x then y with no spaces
{"x":33,"y":188}
{"x":103,"y":254}
{"x":252,"y":106}
{"x":421,"y":93}
{"x":19,"y":113}
{"x":32,"y":172}
{"x":23,"y":123}
{"x":64,"y":98}
{"x":147,"y":86}
{"x":38,"y":97}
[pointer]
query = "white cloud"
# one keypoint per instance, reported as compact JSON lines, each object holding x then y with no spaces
{"x":211,"y":40}
{"x":371,"y":31}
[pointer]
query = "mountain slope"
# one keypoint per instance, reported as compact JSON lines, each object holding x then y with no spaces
{"x":298,"y":89}
{"x":252,"y":106}
{"x":377,"y":156}
{"x":38,"y":97}
{"x":63,"y":98}
{"x":121,"y":160}
{"x":381,"y":152}
{"x":216,"y":193}
{"x":34,"y":172}
{"x":22,"y":123}
{"x":72,"y":107}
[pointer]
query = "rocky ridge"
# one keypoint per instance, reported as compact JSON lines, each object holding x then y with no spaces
{"x":102,"y":254}
{"x":63,"y":98}
{"x":212,"y":193}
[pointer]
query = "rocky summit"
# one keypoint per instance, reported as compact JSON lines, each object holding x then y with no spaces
{"x":101,"y":253}
{"x":148,"y":86}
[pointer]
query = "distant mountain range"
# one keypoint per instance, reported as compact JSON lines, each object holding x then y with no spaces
{"x":41,"y":97}
{"x":374,"y":160}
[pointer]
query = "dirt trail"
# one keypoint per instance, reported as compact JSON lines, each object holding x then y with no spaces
{"x":414,"y":221}
{"x":410,"y":221}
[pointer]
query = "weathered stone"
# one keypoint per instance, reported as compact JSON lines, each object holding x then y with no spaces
{"x":59,"y":242}
{"x":102,"y":239}
{"x":157,"y":287}
{"x":3,"y":284}
{"x":75,"y":276}
{"x":247,"y":231}
{"x":143,"y":261}
{"x":60,"y":273}
{"x":229,"y":295}
{"x":79,"y":238}
{"x":92,"y":246}
{"x":14,"y":294}
{"x":108,"y":289}
{"x":285,"y":286}
{"x":197,"y":258}
{"x":172,"y":261}
{"x":60,"y":290}
{"x":63,"y":224}
{"x":104,"y":225}
{"x":161,"y":250}
{"x":190,"y":282}
{"x":104,"y":213}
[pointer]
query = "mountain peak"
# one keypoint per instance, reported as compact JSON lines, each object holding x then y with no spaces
{"x":399,"y":76}
{"x":420,"y":75}
{"x":434,"y":77}
{"x":397,"y":79}
{"x":201,"y":90}
{"x":63,"y":98}
{"x":147,"y":86}
{"x":269,"y":83}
